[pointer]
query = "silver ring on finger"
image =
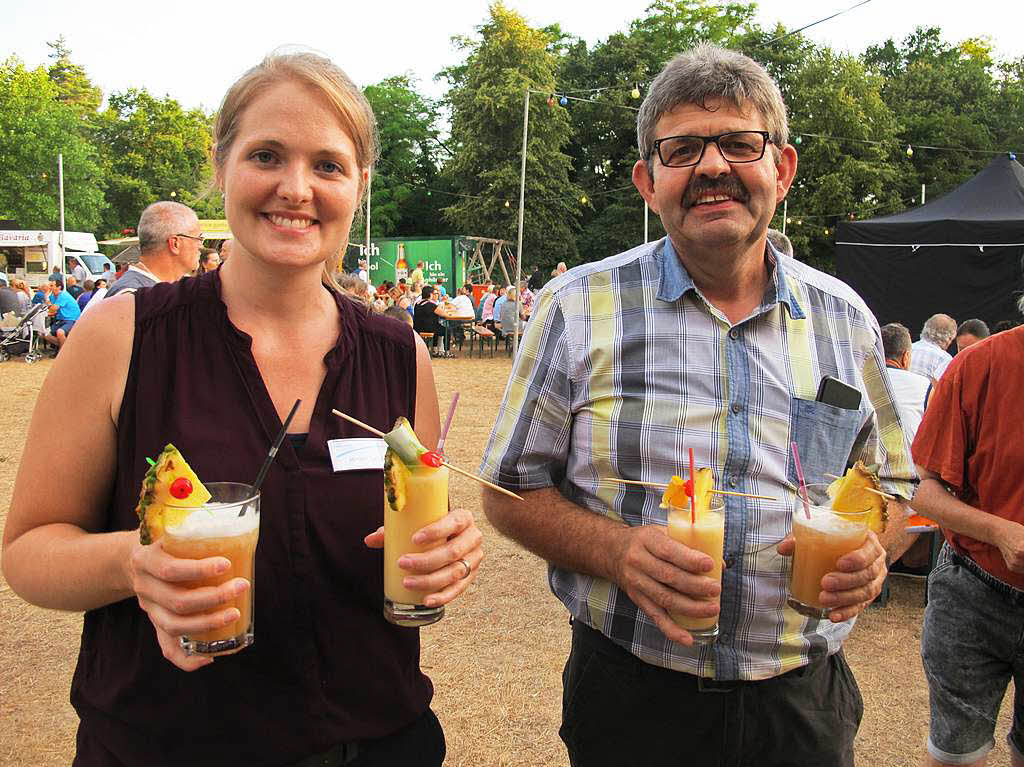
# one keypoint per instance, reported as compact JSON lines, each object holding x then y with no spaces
{"x":465,"y":564}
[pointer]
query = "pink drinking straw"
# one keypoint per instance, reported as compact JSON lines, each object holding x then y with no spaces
{"x":800,"y":476}
{"x":693,"y":493}
{"x":447,"y":423}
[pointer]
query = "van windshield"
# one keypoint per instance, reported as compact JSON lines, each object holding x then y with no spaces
{"x":96,"y":264}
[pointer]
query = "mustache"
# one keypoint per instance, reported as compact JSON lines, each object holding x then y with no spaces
{"x":729,"y":185}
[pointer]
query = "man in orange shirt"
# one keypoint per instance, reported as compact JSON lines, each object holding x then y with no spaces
{"x":969,"y":455}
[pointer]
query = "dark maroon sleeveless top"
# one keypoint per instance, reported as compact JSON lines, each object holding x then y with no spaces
{"x":325,"y":667}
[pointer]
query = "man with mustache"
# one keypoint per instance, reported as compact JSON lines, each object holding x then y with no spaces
{"x":708,"y":339}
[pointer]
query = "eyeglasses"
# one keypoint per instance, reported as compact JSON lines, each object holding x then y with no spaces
{"x":735,"y":147}
{"x":190,"y":237}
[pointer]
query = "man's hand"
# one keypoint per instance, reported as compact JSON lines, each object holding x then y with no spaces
{"x":856,"y":582}
{"x":1011,"y":544}
{"x":662,"y":576}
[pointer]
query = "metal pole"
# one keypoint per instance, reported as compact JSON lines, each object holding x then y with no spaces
{"x":646,"y":238}
{"x":60,"y":186}
{"x":522,"y":210}
{"x":922,"y":194}
{"x":785,"y":209}
{"x":369,"y":186}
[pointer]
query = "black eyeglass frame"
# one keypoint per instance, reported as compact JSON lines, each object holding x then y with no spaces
{"x":190,"y":237}
{"x":656,"y":147}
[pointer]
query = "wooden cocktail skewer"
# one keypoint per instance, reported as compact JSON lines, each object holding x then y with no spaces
{"x":456,"y":469}
{"x":887,"y":496}
{"x":662,"y":486}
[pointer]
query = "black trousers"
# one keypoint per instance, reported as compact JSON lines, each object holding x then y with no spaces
{"x":618,"y":711}
{"x":419,"y":744}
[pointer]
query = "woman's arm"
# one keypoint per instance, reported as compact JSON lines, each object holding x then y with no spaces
{"x":55,"y":553}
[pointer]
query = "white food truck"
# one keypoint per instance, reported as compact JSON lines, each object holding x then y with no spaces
{"x":31,"y":254}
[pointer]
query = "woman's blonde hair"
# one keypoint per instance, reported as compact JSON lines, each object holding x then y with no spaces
{"x":322,"y":75}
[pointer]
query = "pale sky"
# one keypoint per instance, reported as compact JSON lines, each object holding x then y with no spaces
{"x":195,"y":50}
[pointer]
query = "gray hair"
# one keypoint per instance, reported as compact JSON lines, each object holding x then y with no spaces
{"x":162,"y":220}
{"x":708,"y":72}
{"x":940,"y":329}
{"x":780,"y":242}
{"x":895,"y":340}
{"x":1020,"y":304}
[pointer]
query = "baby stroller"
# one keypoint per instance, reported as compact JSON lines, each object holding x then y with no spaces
{"x":22,"y":339}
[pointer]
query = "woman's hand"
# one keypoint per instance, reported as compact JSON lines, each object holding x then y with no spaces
{"x":161,"y":584}
{"x":440,"y":571}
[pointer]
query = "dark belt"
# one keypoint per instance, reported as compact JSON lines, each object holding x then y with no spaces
{"x":1014,"y":595}
{"x":340,"y":754}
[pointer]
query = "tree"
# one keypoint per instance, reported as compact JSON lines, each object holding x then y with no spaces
{"x":604,"y":142}
{"x":153,"y":150}
{"x":486,"y":101}
{"x":36,"y":126}
{"x":843,"y":131}
{"x":74,"y":87}
{"x":943,"y":95}
{"x":407,"y":172}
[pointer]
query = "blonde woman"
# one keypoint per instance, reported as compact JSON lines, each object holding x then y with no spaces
{"x":213,"y":364}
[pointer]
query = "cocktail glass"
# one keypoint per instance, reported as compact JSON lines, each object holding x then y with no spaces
{"x":706,"y":534}
{"x":228,"y":525}
{"x":821,"y":542}
{"x":426,"y":502}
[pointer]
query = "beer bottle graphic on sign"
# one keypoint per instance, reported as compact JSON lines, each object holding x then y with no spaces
{"x":401,"y":267}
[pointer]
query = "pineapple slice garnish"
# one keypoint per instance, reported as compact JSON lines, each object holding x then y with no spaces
{"x":850,"y":493}
{"x":170,"y":492}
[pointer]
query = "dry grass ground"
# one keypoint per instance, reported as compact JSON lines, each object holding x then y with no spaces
{"x":496,"y":658}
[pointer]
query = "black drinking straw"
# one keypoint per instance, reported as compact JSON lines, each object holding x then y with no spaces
{"x":273,"y":451}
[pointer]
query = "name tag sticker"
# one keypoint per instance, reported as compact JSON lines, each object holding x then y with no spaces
{"x":357,"y":454}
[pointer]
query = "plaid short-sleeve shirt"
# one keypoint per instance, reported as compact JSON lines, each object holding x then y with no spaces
{"x":624,"y":365}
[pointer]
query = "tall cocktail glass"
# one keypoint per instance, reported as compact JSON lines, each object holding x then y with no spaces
{"x":426,"y":492}
{"x":706,"y":534}
{"x":821,"y":542}
{"x":228,"y":525}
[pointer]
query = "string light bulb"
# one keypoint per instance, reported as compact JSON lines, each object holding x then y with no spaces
{"x":583,"y":199}
{"x":563,"y":101}
{"x":635,"y":93}
{"x":551,"y":100}
{"x":508,"y":204}
{"x":910,"y":151}
{"x":798,"y":140}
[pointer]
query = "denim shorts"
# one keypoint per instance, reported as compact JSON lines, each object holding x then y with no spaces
{"x":971,"y":646}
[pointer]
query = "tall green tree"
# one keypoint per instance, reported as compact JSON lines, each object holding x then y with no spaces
{"x":153,"y":150}
{"x":604,"y":141}
{"x":403,"y":202}
{"x":943,"y":95}
{"x":74,"y":87}
{"x":36,"y":126}
{"x":486,"y":100}
{"x":842,"y":129}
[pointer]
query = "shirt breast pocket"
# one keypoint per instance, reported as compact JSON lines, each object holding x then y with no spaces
{"x":824,"y":436}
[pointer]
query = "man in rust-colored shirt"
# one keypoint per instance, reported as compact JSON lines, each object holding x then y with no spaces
{"x":969,"y":455}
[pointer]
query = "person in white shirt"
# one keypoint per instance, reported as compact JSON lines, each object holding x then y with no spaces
{"x":462,"y":305}
{"x":910,"y":390}
{"x":929,"y":356}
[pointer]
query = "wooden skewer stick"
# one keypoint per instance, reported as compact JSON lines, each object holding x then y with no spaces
{"x":887,"y":496}
{"x":662,"y":486}
{"x":456,"y":469}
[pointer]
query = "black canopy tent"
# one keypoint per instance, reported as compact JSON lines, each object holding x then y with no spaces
{"x":960,"y":254}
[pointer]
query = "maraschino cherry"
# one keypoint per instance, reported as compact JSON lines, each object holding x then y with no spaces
{"x":181,"y":488}
{"x":431,"y":458}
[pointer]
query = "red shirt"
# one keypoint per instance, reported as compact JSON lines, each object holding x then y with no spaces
{"x":970,"y":436}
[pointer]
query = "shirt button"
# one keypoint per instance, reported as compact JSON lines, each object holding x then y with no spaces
{"x":736,"y":407}
{"x":734,"y":334}
{"x":728,"y":561}
{"x":733,"y":482}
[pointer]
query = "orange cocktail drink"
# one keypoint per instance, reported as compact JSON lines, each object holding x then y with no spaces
{"x":228,"y":525}
{"x":706,"y":534}
{"x":821,"y":541}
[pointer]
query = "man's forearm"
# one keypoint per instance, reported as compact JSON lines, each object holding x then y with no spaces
{"x":935,"y":502}
{"x":558,"y":530}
